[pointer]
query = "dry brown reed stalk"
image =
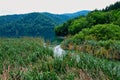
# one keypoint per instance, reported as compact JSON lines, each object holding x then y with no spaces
{"x":116,"y":55}
{"x":70,"y":46}
{"x":48,"y":43}
{"x":84,"y":75}
{"x":80,"y":48}
{"x":88,"y":48}
{"x":76,"y":48}
{"x":5,"y":73}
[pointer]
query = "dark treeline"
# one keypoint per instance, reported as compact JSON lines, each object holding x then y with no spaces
{"x":112,"y":7}
{"x":33,"y":24}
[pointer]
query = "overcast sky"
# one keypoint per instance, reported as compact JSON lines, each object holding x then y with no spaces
{"x":53,"y":6}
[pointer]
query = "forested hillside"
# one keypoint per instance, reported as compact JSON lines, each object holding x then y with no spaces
{"x":90,"y":49}
{"x":97,"y":33}
{"x":33,"y":24}
{"x":71,"y":27}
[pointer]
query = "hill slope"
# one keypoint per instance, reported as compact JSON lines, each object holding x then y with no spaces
{"x":109,"y":15}
{"x":97,"y":33}
{"x":32,"y":24}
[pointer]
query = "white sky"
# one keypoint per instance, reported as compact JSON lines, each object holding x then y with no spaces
{"x":53,"y":6}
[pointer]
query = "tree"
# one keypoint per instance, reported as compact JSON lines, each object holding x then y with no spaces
{"x":77,"y":25}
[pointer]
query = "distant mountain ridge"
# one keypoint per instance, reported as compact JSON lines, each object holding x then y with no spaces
{"x":34,"y":24}
{"x":76,"y":14}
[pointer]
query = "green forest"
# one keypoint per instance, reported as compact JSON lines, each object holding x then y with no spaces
{"x":34,"y":24}
{"x":97,"y":33}
{"x":90,"y":41}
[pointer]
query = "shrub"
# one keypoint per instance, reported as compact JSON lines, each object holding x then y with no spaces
{"x":100,"y":32}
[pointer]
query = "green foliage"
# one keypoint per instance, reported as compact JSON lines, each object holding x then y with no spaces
{"x":33,"y":24}
{"x":118,"y":22}
{"x":34,"y":75}
{"x":100,"y":32}
{"x":21,"y":51}
{"x":72,"y":26}
{"x":117,"y":16}
{"x":96,"y":17}
{"x":113,"y":6}
{"x":105,"y":41}
{"x":98,"y":35}
{"x":93,"y":18}
{"x":77,"y":25}
{"x":62,"y":30}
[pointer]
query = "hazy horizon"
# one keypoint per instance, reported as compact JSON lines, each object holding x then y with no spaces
{"x":8,"y":7}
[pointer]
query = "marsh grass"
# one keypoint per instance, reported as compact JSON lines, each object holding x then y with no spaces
{"x":105,"y":49}
{"x":27,"y":59}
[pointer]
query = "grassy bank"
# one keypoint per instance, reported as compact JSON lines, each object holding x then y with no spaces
{"x":27,"y":59}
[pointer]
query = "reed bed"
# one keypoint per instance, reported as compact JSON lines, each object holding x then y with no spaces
{"x":28,"y":59}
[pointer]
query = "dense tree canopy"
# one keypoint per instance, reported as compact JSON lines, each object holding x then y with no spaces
{"x":72,"y":26}
{"x":33,"y":24}
{"x":93,"y":18}
{"x":77,"y":25}
{"x":100,"y":32}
